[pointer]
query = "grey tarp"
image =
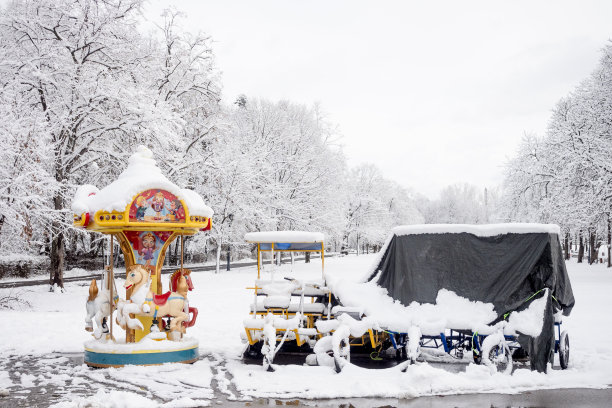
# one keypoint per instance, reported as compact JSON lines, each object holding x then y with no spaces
{"x":504,"y":270}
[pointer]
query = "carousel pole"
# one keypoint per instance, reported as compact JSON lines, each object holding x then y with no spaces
{"x":182,"y":250}
{"x":111,"y":281}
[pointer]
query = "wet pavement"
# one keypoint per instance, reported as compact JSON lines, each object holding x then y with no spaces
{"x":44,"y":381}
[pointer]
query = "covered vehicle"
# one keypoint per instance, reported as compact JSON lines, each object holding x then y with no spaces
{"x":474,"y":279}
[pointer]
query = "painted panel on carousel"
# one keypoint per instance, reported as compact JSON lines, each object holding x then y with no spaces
{"x":147,"y":246}
{"x":157,"y":205}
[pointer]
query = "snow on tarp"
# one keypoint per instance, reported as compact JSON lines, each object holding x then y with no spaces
{"x":284,"y":237}
{"x":448,"y":310}
{"x":484,"y":230}
{"x":503,"y":266}
{"x":141,"y":174}
{"x":489,"y":270}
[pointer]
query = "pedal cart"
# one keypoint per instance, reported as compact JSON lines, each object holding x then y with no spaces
{"x":144,"y":212}
{"x":485,"y":292}
{"x":285,"y":309}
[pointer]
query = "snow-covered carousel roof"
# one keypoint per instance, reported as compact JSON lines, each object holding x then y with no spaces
{"x":141,"y":174}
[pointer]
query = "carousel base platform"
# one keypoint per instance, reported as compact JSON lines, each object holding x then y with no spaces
{"x":101,"y":353}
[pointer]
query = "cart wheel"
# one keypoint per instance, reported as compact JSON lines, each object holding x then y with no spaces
{"x":477,"y":357}
{"x":564,"y":350}
{"x":501,"y":357}
{"x":253,"y":352}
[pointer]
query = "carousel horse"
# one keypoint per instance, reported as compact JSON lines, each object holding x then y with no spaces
{"x":176,"y":286}
{"x":145,"y":303}
{"x":98,"y":308}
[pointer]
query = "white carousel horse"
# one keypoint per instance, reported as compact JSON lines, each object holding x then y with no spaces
{"x":145,"y":303}
{"x":98,"y":308}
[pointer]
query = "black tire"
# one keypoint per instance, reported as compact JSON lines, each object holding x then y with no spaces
{"x":477,"y":357}
{"x":564,"y":350}
{"x":253,"y":352}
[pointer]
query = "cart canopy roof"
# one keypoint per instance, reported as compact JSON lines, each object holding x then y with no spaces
{"x":501,"y":264}
{"x":287,"y":240}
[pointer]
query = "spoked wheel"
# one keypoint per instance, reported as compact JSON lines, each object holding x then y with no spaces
{"x":564,"y":350}
{"x":501,"y":357}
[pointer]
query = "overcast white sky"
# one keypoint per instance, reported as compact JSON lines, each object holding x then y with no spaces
{"x":434,"y":93}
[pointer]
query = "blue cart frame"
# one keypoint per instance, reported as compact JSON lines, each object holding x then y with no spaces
{"x":457,"y":341}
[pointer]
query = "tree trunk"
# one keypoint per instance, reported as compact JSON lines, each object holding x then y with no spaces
{"x":57,"y":261}
{"x":218,"y":258}
{"x":609,"y":241}
{"x":228,"y":257}
{"x":580,"y":248}
{"x":566,"y":246}
{"x":58,"y":252}
{"x":118,"y":253}
{"x":307,"y":257}
{"x":592,"y":251}
{"x":176,"y":252}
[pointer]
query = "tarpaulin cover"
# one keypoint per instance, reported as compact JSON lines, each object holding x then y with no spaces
{"x":504,"y":270}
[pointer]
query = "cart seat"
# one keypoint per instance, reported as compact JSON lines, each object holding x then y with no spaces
{"x":277,"y":302}
{"x":309,"y":289}
{"x":355,"y":312}
{"x":310,"y":308}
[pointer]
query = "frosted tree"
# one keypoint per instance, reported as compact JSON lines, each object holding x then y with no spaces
{"x":25,"y":183}
{"x":373,"y":206}
{"x":565,"y":176}
{"x":273,"y":166}
{"x":83,"y":68}
{"x":460,"y":204}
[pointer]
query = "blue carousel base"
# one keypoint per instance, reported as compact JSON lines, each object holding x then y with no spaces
{"x":107,"y":354}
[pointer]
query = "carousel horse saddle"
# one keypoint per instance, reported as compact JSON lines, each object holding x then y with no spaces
{"x":161,"y":299}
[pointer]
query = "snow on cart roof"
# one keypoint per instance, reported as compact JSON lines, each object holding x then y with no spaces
{"x":141,"y":174}
{"x":486,"y":230}
{"x":284,"y":237}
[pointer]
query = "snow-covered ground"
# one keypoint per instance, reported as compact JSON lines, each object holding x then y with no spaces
{"x":43,"y":343}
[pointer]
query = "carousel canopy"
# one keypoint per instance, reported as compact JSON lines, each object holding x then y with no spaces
{"x":141,"y":174}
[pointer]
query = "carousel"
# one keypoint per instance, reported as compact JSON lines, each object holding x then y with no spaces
{"x":144,"y":212}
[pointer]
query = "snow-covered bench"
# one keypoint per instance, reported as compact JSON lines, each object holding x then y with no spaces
{"x":265,"y":305}
{"x":311,"y":288}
